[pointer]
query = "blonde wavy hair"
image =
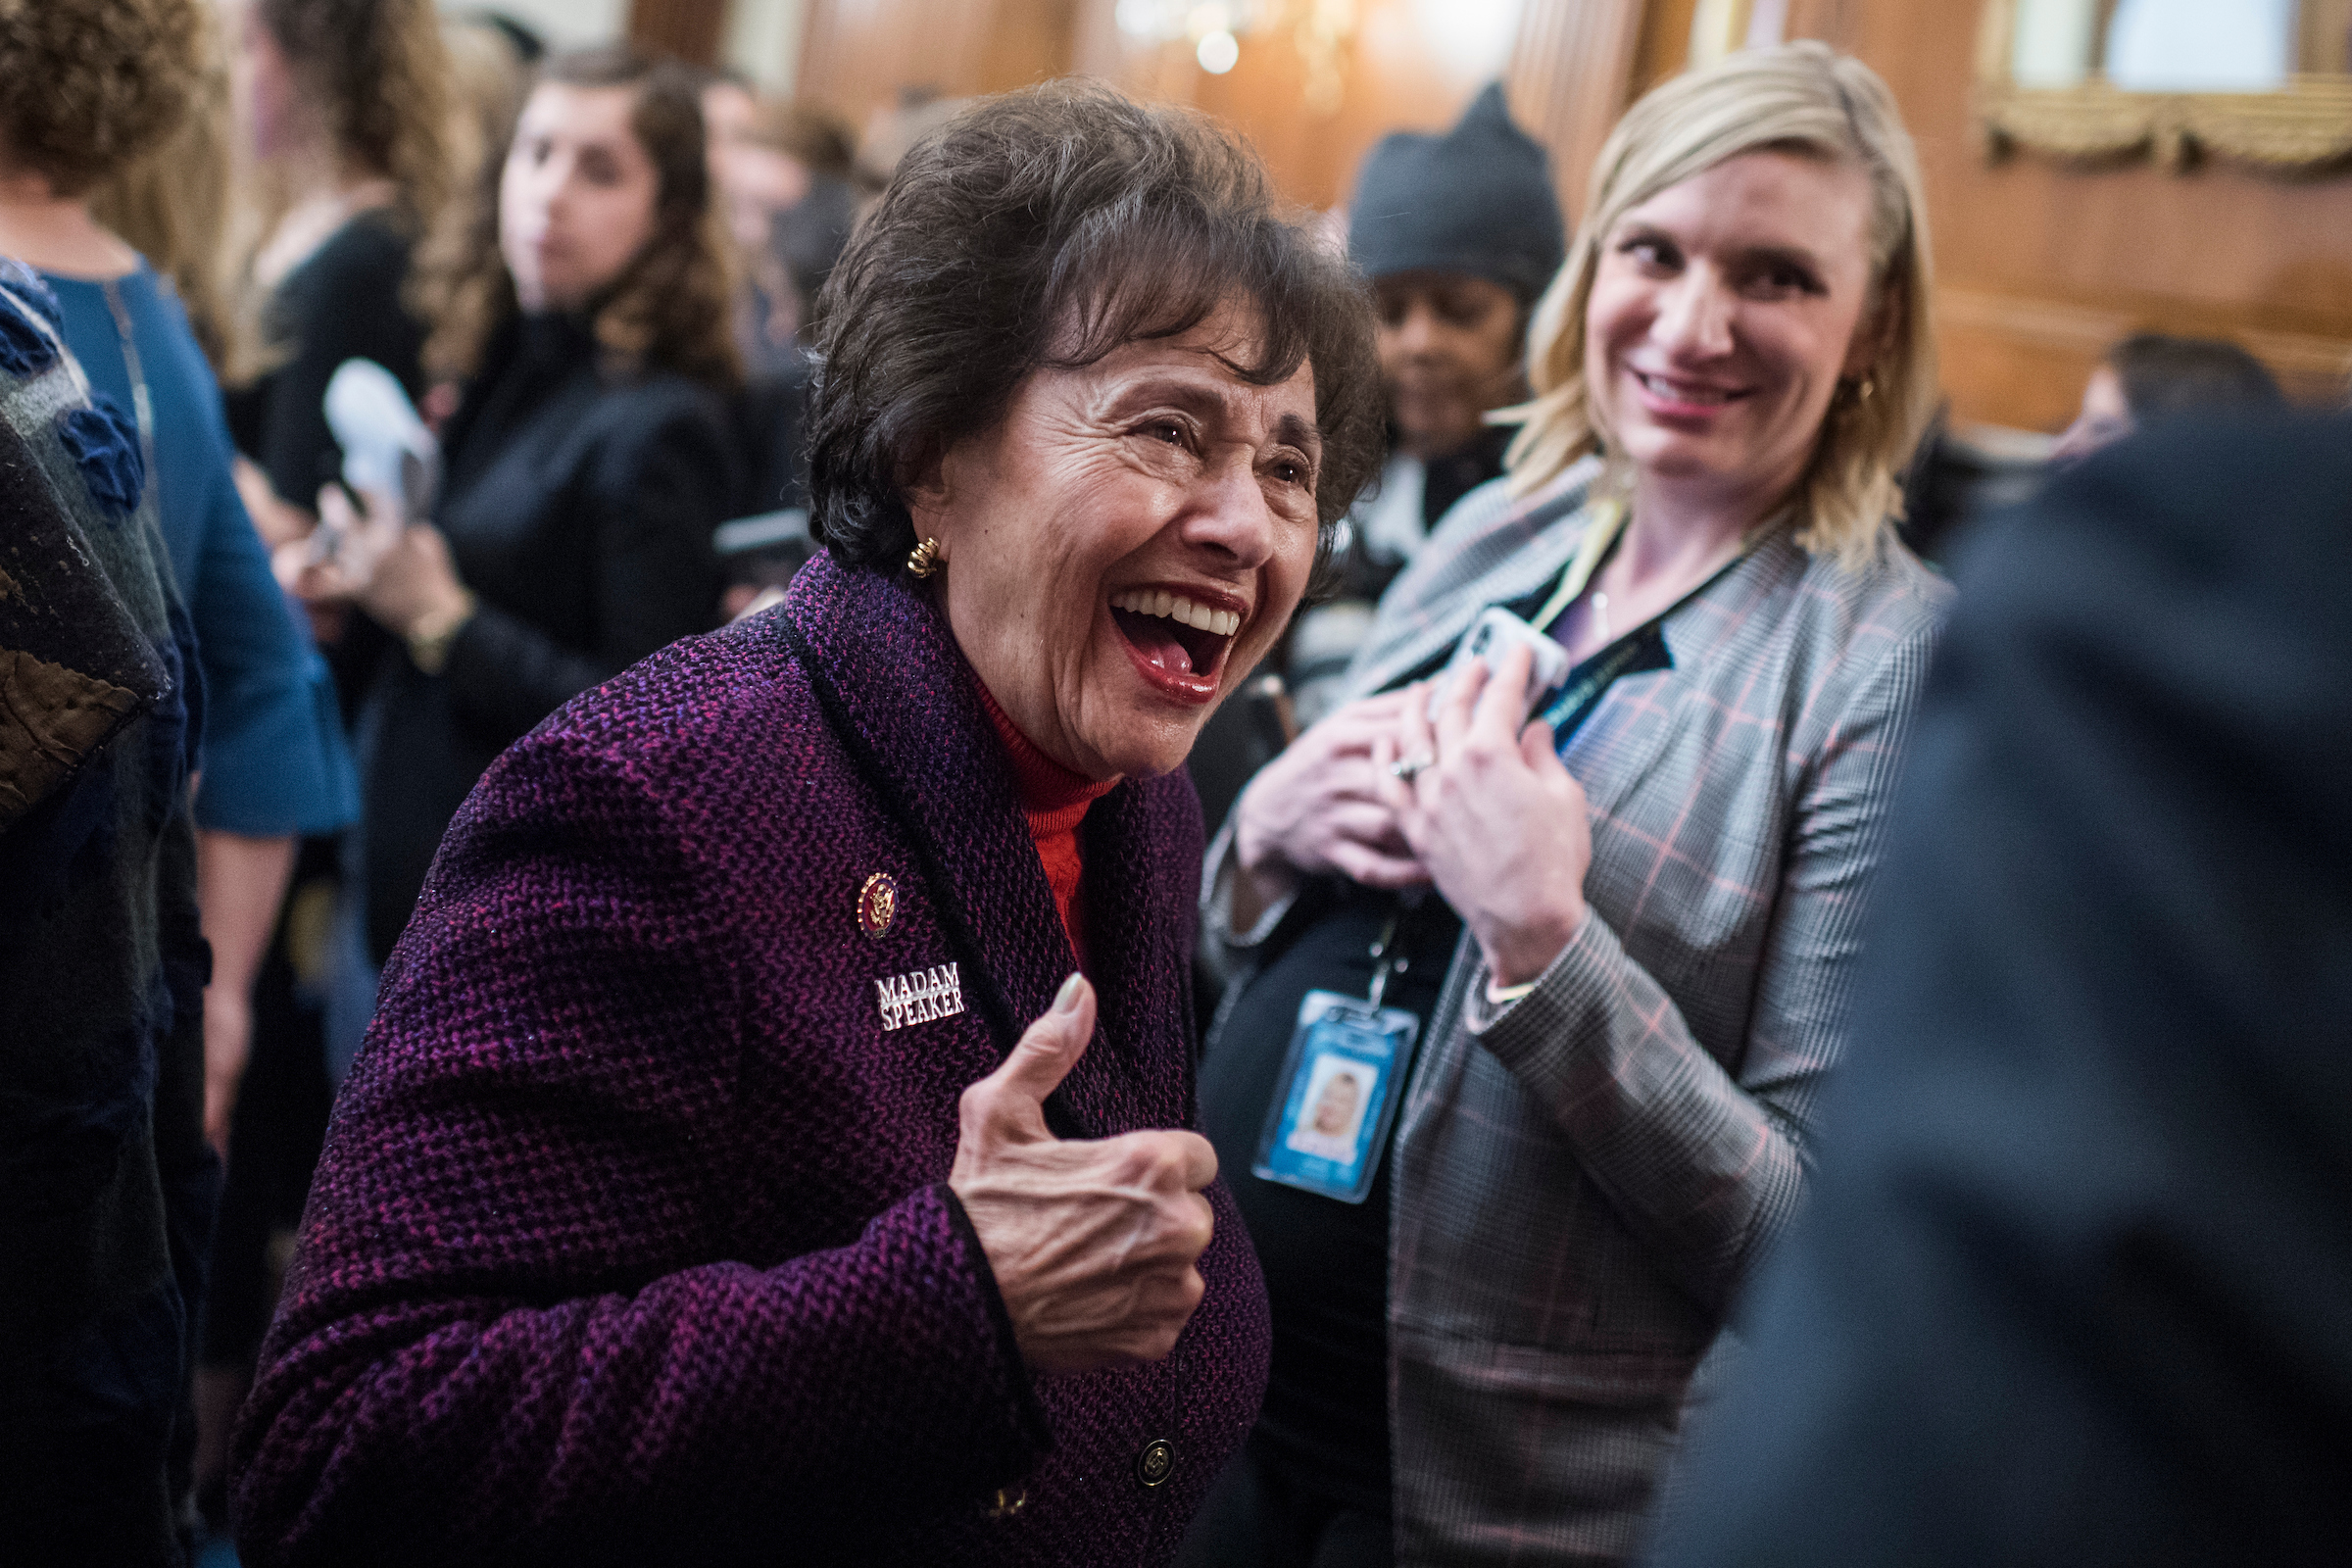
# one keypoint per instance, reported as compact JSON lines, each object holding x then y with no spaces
{"x":671,"y":310}
{"x":1801,"y":98}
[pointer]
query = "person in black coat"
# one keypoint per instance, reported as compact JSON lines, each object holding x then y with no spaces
{"x":585,"y":466}
{"x":2074,"y":1286}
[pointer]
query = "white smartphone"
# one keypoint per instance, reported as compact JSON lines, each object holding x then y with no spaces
{"x":386,"y":445}
{"x":1490,"y":637}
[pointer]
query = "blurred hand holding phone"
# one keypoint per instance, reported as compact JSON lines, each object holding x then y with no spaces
{"x":391,"y":463}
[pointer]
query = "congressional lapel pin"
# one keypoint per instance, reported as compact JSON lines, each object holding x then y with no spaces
{"x":920,"y":997}
{"x":877,"y":904}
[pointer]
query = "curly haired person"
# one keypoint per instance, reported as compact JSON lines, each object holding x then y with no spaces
{"x":99,"y":87}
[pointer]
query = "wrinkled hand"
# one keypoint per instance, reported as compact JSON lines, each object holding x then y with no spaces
{"x":1318,"y":807}
{"x":1496,"y":817}
{"x":1092,"y":1244}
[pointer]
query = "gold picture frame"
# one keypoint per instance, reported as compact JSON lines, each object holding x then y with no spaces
{"x":2302,"y":129}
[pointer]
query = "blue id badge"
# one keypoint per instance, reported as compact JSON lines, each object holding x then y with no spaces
{"x":1340,"y":1082}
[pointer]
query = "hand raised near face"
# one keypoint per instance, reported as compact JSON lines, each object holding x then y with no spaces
{"x":1494,"y":814}
{"x":1318,"y":807}
{"x":1094,"y":1243}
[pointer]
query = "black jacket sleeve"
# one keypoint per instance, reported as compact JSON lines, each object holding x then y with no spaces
{"x":343,"y":304}
{"x":655,"y":493}
{"x":2072,"y":1287}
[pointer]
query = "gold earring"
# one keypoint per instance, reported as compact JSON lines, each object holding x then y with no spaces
{"x":925,"y":558}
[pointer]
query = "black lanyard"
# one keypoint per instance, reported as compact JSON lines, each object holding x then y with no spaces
{"x":1638,"y":652}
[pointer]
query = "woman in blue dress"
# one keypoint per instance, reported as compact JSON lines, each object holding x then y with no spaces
{"x":95,"y":87}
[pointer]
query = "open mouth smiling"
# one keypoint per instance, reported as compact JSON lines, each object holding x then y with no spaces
{"x":1178,"y":644}
{"x":1688,"y":394}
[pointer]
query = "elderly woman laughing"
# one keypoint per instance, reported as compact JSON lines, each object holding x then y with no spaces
{"x":737,"y":1167}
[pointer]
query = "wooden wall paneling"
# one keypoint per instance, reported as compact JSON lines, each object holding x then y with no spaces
{"x":2041,"y":266}
{"x":1393,"y":79}
{"x":689,"y":29}
{"x":2019,"y":361}
{"x":1663,"y":48}
{"x":2324,"y":36}
{"x":1572,"y":74}
{"x":1836,"y":23}
{"x":859,"y":55}
{"x":1029,"y":42}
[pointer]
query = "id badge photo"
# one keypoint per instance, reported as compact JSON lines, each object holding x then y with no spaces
{"x":1337,"y":1092}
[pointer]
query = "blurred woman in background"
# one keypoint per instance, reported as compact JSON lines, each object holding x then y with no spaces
{"x":584,"y":308}
{"x":783,"y":171}
{"x":174,"y":205}
{"x":347,"y":118}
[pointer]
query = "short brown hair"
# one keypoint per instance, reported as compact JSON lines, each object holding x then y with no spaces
{"x":91,"y":85}
{"x":669,"y":311}
{"x":1046,"y":228}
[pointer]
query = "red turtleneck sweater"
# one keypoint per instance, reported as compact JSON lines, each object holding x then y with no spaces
{"x":1054,"y":799}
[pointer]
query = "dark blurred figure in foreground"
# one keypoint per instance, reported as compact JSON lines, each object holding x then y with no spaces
{"x":2150,"y":376}
{"x":2074,"y":1286}
{"x":106,"y":1185}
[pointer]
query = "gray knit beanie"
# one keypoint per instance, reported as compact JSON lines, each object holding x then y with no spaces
{"x":1476,"y":200}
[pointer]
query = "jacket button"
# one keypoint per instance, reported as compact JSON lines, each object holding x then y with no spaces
{"x":1156,"y":1462}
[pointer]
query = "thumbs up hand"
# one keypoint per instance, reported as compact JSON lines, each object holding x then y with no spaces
{"x":1092,"y":1244}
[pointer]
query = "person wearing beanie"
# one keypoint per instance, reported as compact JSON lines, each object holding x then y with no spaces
{"x":1458,"y":233}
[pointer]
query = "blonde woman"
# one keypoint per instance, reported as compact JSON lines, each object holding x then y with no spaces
{"x":1624,"y":932}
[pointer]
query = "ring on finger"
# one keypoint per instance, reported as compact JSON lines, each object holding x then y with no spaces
{"x":1404,"y":769}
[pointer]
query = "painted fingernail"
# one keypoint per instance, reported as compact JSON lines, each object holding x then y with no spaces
{"x":1066,"y":998}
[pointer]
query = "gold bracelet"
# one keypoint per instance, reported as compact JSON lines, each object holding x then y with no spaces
{"x":431,"y":637}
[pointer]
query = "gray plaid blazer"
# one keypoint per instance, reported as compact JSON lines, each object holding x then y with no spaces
{"x":1584,"y":1176}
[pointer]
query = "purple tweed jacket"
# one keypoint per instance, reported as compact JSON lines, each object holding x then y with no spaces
{"x":631,"y":1241}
